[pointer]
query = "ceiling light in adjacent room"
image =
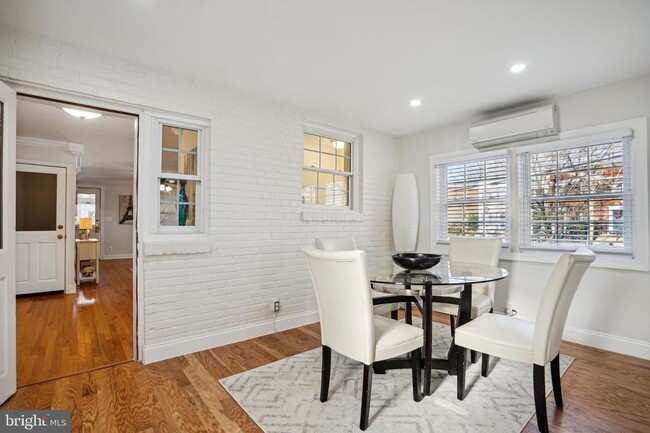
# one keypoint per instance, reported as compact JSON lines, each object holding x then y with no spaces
{"x":81,"y":114}
{"x":519,"y":67}
{"x":415,"y":102}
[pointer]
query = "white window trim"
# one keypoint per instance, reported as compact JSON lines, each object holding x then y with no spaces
{"x":312,"y":212}
{"x":199,"y":232}
{"x":640,"y":261}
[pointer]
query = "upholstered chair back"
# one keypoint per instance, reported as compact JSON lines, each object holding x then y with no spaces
{"x":344,"y":300}
{"x":484,"y":251}
{"x":556,"y":300}
{"x":336,"y":244}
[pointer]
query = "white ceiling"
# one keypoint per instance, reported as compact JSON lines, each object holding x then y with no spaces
{"x":108,"y":141}
{"x":364,"y":60}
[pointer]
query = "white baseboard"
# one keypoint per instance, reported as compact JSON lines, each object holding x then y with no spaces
{"x":117,"y":256}
{"x":158,"y":352}
{"x":613,"y":343}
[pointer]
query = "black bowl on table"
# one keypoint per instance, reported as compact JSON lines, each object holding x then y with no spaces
{"x":416,"y":261}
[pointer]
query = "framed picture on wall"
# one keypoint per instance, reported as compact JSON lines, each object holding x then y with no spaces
{"x":126,"y":209}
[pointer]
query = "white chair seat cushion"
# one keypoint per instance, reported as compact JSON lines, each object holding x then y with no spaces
{"x":481,"y":304}
{"x":383,"y":308}
{"x":393,"y":338}
{"x":498,"y":335}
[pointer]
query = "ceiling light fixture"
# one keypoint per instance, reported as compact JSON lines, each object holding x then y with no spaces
{"x":415,"y":102}
{"x":519,"y":67}
{"x":81,"y":114}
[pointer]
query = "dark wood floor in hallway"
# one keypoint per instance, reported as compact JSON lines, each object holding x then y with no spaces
{"x":603,"y":391}
{"x":60,"y":334}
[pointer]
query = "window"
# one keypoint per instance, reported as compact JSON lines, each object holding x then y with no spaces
{"x":580,"y":195}
{"x":86,"y":207}
{"x":179,"y":177}
{"x":328,"y":175}
{"x":472,"y":198}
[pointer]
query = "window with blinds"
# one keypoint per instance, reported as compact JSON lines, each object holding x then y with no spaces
{"x":578,"y":196}
{"x":472,"y":198}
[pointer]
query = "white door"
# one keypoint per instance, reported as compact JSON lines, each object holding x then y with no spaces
{"x":40,"y":228}
{"x":7,"y":243}
{"x":89,"y":205}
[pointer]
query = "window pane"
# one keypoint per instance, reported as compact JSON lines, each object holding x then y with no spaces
{"x":188,"y":163}
{"x":169,"y":162}
{"x":312,"y":142}
{"x":177,"y":202}
{"x":86,"y":207}
{"x":35,"y":201}
{"x":169,"y":138}
{"x":326,"y":154}
{"x":473,"y":198}
{"x":311,"y":159}
{"x":327,"y":162}
{"x":578,"y":197}
{"x":189,"y":140}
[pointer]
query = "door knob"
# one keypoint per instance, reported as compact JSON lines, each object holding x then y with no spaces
{"x":59,"y":226}
{"x":59,"y":236}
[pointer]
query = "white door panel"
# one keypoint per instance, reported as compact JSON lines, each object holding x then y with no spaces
{"x":40,"y":227}
{"x":7,"y":242}
{"x":22,"y":263}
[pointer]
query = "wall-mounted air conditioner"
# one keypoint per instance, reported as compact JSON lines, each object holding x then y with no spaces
{"x":515,"y":127}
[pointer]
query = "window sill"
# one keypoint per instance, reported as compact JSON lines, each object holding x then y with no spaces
{"x":331,"y":215}
{"x":175,"y":245}
{"x":603,"y":260}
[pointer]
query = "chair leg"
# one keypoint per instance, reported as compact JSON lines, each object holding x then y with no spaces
{"x":474,"y":355}
{"x":452,"y":324}
{"x":484,"y":364}
{"x":409,"y":313}
{"x":555,"y":377}
{"x":460,"y":373}
{"x":540,"y":397}
{"x":416,"y":357}
{"x":394,"y":315}
{"x":325,"y":373}
{"x":365,"y":396}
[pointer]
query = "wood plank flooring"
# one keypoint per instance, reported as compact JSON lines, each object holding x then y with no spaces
{"x":59,"y":334}
{"x":603,"y":392}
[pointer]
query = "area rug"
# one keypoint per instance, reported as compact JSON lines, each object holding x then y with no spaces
{"x":283,"y":397}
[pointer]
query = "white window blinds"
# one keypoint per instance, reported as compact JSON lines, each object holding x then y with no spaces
{"x":580,"y":195}
{"x":472,"y":198}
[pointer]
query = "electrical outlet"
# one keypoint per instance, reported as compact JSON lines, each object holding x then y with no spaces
{"x":276,"y":305}
{"x":110,"y":248}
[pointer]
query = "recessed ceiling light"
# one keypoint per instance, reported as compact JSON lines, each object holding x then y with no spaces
{"x":81,"y":114}
{"x":519,"y":67}
{"x":415,"y":102}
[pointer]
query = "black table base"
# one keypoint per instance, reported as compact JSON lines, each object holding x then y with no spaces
{"x":448,"y":364}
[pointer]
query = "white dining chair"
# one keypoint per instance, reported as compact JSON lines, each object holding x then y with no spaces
{"x":346,"y":244}
{"x":348,"y":325}
{"x":483,"y":251}
{"x":536,"y":343}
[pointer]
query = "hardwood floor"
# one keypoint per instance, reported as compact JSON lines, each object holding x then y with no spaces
{"x":60,"y":334}
{"x":603,"y":392}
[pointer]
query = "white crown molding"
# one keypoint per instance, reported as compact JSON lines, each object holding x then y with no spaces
{"x":77,"y":150}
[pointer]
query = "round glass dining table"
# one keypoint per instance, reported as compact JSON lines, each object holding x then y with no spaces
{"x":428,"y":286}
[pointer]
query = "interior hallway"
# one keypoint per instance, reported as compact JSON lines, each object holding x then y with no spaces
{"x":59,"y":335}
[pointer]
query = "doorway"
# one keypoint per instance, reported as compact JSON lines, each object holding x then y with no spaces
{"x":88,"y":321}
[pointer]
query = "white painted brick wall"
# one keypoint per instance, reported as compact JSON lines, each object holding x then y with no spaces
{"x":255,"y":221}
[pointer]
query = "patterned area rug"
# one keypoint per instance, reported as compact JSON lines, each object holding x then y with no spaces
{"x":283,"y":397}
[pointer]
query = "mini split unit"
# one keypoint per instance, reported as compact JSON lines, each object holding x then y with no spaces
{"x":515,"y":127}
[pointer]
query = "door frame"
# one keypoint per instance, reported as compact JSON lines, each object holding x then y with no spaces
{"x":139,"y":184}
{"x":101,"y":209}
{"x":70,"y":178}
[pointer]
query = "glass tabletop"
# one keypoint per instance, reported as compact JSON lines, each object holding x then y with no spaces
{"x":444,"y":273}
